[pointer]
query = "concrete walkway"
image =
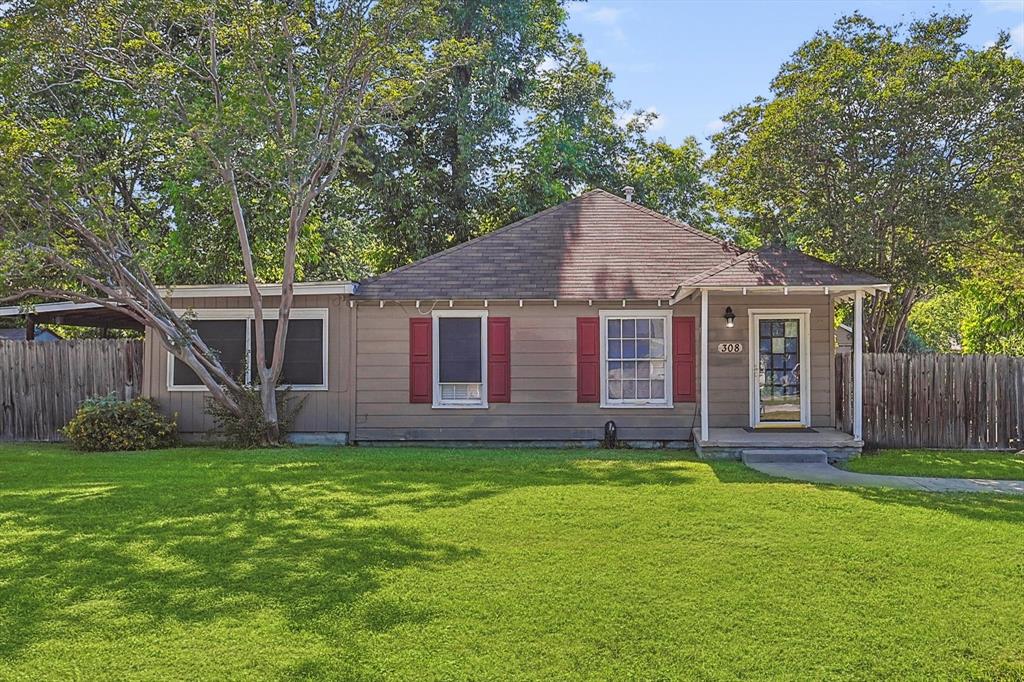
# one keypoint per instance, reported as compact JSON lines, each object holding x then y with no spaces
{"x":826,"y":473}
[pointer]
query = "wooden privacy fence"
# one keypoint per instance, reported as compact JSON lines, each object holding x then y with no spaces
{"x":43,"y":383}
{"x":932,"y":400}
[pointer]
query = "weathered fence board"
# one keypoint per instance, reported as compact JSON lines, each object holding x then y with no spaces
{"x":936,"y":400}
{"x":42,"y":384}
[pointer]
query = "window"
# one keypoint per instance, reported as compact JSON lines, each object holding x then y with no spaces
{"x":636,"y":358}
{"x":303,"y":351}
{"x":460,"y":373}
{"x":228,"y":338}
{"x":232,"y":333}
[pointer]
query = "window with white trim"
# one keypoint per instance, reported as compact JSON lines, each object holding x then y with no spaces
{"x":460,"y":358}
{"x":636,"y":357}
{"x":231,"y":333}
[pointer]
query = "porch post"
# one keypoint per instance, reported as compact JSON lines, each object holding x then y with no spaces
{"x":704,"y":364}
{"x":858,"y":365}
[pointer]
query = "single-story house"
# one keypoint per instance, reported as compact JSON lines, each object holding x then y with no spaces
{"x":596,"y":310}
{"x":592,"y":311}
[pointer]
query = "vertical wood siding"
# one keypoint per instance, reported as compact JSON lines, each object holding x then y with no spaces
{"x":42,"y":384}
{"x":931,"y":400}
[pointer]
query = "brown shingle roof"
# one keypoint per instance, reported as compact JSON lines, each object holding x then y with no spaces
{"x":776,"y":266}
{"x":596,"y":246}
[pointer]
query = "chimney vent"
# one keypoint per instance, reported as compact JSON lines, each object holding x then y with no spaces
{"x":628,"y":191}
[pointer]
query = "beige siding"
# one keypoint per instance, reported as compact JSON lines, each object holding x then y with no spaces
{"x":368,"y":367}
{"x":323,"y":411}
{"x":543,"y":371}
{"x":729,"y":374}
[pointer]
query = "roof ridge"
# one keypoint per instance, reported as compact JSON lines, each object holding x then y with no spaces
{"x":474,"y":240}
{"x":715,"y":269}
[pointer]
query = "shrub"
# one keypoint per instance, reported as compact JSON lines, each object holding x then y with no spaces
{"x":112,"y":424}
{"x":250,"y":429}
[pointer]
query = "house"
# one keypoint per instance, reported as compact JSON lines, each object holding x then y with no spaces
{"x":844,"y":338}
{"x":592,"y":311}
{"x":596,"y":310}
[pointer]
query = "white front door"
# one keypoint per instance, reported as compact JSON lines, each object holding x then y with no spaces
{"x":779,"y":368}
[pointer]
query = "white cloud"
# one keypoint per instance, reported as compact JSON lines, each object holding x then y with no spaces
{"x":657,"y":124}
{"x":549,"y":63}
{"x":1016,"y":45}
{"x":1003,"y":5}
{"x":602,"y":15}
{"x":712,"y":127}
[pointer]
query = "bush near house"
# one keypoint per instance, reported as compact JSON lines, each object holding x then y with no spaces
{"x":112,"y":424}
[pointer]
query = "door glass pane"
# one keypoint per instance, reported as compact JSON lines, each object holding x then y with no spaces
{"x":779,"y":370}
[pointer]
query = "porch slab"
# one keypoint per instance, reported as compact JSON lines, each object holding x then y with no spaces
{"x":725,"y":443}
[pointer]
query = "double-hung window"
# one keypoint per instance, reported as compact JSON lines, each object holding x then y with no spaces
{"x":636,"y":359}
{"x":231,"y":333}
{"x":460,"y":352}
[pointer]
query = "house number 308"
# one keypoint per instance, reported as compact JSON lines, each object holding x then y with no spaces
{"x":730,"y":347}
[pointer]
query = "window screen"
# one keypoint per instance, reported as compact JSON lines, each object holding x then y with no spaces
{"x":227,"y":337}
{"x":458,"y":350}
{"x":303,"y":351}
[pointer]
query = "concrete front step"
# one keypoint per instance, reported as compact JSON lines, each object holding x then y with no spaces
{"x":784,"y":455}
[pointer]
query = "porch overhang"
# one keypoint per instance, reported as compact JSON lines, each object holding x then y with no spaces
{"x":837,"y":291}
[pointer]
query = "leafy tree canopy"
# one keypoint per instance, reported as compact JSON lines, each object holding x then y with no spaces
{"x":892,"y":150}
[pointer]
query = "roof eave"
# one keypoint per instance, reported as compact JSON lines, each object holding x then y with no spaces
{"x":839,"y":290}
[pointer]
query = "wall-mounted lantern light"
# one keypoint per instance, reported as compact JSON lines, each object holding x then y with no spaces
{"x":730,"y":317}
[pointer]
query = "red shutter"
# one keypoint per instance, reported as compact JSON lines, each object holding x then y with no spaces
{"x":499,"y":360}
{"x":421,"y":357}
{"x":684,"y":360}
{"x":588,"y":359}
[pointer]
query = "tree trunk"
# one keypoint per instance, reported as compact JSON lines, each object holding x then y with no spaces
{"x":268,"y":397}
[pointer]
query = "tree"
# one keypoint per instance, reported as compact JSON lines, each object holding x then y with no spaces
{"x":984,"y":313}
{"x":578,"y":136}
{"x":428,"y":175}
{"x":671,"y":180}
{"x":882,"y":149}
{"x":108,"y":106}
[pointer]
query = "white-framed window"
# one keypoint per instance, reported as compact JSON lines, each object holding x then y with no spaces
{"x":232,"y":333}
{"x":460,"y":358}
{"x":636,"y":358}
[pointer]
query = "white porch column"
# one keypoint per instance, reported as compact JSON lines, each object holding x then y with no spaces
{"x":858,"y":365}
{"x":704,"y":364}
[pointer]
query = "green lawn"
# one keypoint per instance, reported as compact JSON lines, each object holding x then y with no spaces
{"x":942,"y":463}
{"x":430,"y":564}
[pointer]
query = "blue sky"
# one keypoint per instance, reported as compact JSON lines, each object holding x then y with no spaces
{"x":691,"y":61}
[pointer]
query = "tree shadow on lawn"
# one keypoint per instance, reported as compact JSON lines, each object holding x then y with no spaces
{"x":192,"y":536}
{"x":977,"y":506}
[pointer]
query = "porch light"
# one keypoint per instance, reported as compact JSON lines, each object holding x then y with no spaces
{"x":730,"y":317}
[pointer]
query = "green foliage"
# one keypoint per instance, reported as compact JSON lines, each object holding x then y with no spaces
{"x":249,"y":429}
{"x":671,"y":180}
{"x":428,"y":173}
{"x":872,"y":154}
{"x":110,"y":118}
{"x":984,"y":312}
{"x":110,"y":424}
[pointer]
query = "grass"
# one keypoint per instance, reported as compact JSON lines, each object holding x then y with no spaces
{"x":347,"y":563}
{"x":941,"y":463}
